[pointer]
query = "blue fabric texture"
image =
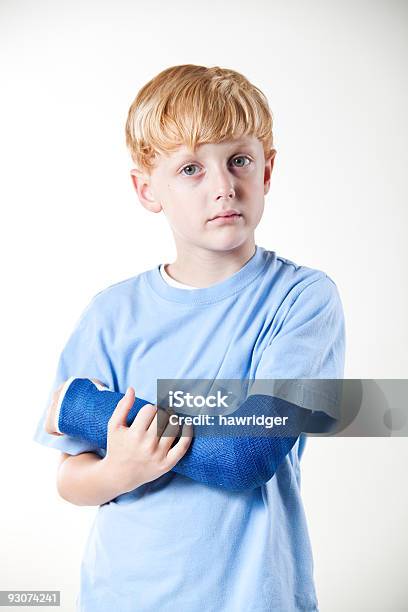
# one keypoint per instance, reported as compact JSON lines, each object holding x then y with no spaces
{"x":235,"y":462}
{"x":176,"y":543}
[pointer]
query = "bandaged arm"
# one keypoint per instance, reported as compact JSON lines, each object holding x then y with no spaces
{"x":230,"y":462}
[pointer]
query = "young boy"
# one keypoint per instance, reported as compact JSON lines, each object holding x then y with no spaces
{"x":201,"y":140}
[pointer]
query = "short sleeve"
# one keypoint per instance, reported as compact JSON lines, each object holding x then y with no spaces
{"x":309,"y":345}
{"x":83,"y":356}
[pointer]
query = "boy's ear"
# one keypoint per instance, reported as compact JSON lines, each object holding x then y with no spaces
{"x":141,"y":183}
{"x":268,"y":170}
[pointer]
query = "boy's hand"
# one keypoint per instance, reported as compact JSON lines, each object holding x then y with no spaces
{"x":49,"y":425}
{"x":136,"y":454}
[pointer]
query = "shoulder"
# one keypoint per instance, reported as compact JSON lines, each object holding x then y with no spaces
{"x":310,"y":300}
{"x":292,"y":279}
{"x":123,"y":287}
{"x":117,"y":298}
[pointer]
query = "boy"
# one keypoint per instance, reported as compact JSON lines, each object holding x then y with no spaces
{"x":201,"y":140}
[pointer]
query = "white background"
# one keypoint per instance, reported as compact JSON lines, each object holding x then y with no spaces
{"x":335,"y":74}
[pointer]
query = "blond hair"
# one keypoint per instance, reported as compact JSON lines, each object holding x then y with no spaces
{"x":194,"y":105}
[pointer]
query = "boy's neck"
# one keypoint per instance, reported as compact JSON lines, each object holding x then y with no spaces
{"x":202,"y":268}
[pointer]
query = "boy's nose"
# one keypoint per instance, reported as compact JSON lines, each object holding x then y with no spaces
{"x":225,"y":193}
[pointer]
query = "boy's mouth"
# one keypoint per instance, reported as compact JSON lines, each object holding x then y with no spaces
{"x":227,"y":214}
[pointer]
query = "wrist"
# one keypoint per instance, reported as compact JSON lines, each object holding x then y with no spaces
{"x":111,"y":474}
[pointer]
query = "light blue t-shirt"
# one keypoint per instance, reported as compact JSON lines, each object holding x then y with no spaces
{"x":175,"y":544}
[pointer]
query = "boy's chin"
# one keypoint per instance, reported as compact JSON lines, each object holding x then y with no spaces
{"x":228,"y":242}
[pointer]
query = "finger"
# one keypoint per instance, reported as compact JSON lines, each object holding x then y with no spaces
{"x":158,"y":426}
{"x":180,"y":448}
{"x":144,"y":417}
{"x":168,"y":436}
{"x":119,"y":415}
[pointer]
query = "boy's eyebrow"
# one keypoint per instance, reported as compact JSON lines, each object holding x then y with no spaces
{"x":186,"y":155}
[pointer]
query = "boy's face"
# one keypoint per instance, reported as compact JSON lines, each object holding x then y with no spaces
{"x":194,"y":188}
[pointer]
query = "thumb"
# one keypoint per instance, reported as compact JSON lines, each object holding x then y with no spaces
{"x":120,"y":413}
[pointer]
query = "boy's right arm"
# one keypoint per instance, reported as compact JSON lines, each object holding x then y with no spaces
{"x":135,"y":455}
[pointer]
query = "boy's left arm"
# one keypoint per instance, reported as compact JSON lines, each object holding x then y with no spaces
{"x":308,"y":349}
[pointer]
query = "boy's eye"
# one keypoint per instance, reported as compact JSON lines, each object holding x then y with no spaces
{"x":241,"y":159}
{"x":188,"y":168}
